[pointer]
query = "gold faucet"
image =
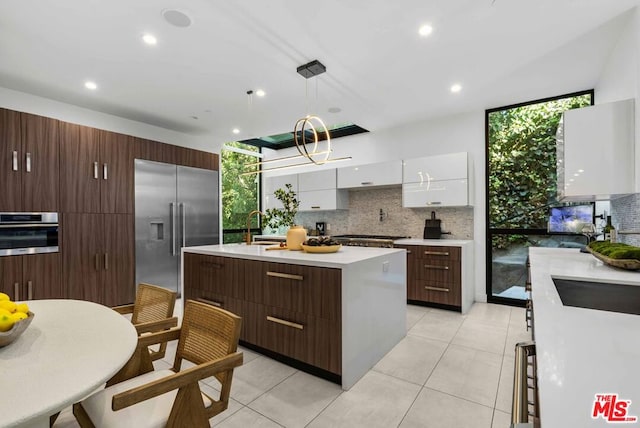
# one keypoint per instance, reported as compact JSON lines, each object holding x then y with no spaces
{"x":247,"y":237}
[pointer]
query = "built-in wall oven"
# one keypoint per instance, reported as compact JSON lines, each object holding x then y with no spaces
{"x":28,"y":233}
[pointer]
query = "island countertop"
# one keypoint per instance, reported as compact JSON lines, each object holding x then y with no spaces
{"x":581,"y":352}
{"x":344,"y":257}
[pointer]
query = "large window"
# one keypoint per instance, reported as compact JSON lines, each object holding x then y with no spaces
{"x":521,"y":186}
{"x":240,"y":193}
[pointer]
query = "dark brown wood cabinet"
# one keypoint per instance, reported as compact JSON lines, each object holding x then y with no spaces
{"x":29,"y":159}
{"x":36,"y":276}
{"x":98,"y":259}
{"x":434,"y":275}
{"x":161,"y":152}
{"x":292,"y":310}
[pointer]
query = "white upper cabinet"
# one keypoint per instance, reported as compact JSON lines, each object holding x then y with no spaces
{"x":323,"y":200}
{"x":271,"y":184}
{"x":317,"y":180}
{"x":441,"y":167}
{"x":443,"y":193}
{"x":371,"y":175}
{"x":596,"y":160}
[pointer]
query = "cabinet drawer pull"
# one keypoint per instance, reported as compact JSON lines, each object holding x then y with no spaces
{"x":14,"y":161}
{"x":285,"y":275}
{"x":436,"y":253}
{"x":16,"y":291}
{"x":316,"y":207}
{"x":445,"y":290}
{"x":28,"y":162}
{"x":95,"y":170}
{"x":210,"y":302}
{"x":408,"y":251}
{"x":285,"y":322}
{"x":30,"y":290}
{"x":211,"y":265}
{"x":436,"y":267}
{"x":434,"y":203}
{"x":367,"y":183}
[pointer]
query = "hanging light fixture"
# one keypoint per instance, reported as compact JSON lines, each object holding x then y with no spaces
{"x":306,"y":130}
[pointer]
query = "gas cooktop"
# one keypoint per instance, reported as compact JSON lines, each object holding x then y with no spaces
{"x":370,"y":237}
{"x":384,"y":241}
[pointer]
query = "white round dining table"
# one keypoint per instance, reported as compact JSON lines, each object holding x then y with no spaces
{"x":71,"y":348}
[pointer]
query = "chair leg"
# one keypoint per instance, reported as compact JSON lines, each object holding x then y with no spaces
{"x":139,"y":364}
{"x":188,"y":409}
{"x":52,"y":419}
{"x":82,"y":417}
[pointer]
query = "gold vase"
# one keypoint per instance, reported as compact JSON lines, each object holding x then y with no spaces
{"x":296,"y":235}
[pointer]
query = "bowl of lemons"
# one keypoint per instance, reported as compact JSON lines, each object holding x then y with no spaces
{"x":14,"y":319}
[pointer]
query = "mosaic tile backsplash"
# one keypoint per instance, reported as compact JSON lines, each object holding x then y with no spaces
{"x":364,"y":216}
{"x":625,"y":216}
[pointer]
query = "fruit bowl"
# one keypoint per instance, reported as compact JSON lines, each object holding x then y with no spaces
{"x":14,"y":332}
{"x":321,"y":248}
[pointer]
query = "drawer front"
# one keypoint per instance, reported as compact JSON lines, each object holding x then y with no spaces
{"x":437,"y":253}
{"x":309,"y":290}
{"x":217,"y":275}
{"x":438,"y":271}
{"x":429,"y":291}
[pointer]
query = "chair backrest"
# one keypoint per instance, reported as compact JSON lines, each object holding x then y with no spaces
{"x":207,"y":333}
{"x":153,"y":303}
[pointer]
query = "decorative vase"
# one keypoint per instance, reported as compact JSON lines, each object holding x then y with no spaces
{"x":296,"y":235}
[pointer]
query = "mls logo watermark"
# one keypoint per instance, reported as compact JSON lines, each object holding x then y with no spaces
{"x":612,"y":409}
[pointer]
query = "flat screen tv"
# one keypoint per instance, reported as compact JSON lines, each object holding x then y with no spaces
{"x":570,"y":219}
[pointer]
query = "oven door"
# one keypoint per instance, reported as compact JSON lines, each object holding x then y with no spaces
{"x":28,"y":238}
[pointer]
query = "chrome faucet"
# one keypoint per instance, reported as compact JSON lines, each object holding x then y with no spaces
{"x":247,"y":237}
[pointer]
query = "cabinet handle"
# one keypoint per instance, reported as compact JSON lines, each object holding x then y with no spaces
{"x":408,"y":251}
{"x":183,"y":222}
{"x":30,"y":290}
{"x":285,"y":322}
{"x":444,"y":290}
{"x":285,"y":275}
{"x":96,"y":260}
{"x":436,"y":253}
{"x":436,"y":267}
{"x":317,"y":207}
{"x":14,"y":161}
{"x":172,"y":225}
{"x":28,"y":162}
{"x":433,"y":203}
{"x":210,"y":302}
{"x":16,"y":291}
{"x":106,"y":261}
{"x":104,"y":171}
{"x":367,"y":183}
{"x":95,"y":170}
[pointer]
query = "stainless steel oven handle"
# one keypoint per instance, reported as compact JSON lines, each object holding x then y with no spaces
{"x":28,"y":225}
{"x":14,"y":161}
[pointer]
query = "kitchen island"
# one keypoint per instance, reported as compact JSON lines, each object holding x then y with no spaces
{"x":581,"y":352}
{"x":334,"y":315}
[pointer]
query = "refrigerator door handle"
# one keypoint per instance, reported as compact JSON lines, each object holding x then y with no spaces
{"x":172,"y":225}
{"x":183,"y":221}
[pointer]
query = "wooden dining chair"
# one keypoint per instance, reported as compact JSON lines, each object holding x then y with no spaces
{"x":172,"y":397}
{"x":151,"y":312}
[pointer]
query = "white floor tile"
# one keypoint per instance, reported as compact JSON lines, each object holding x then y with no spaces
{"x":518,"y":317}
{"x":490,"y":313}
{"x":415,"y":314}
{"x":467,"y":373}
{"x":480,"y":335}
{"x":412,"y":359}
{"x":438,"y":325}
{"x":501,"y":419}
{"x":434,"y":409}
{"x":246,"y":418}
{"x":253,"y":379}
{"x":296,"y":401}
{"x":66,"y":419}
{"x":233,"y":407}
{"x":516,"y":334}
{"x":377,"y":400}
{"x":247,"y":354}
{"x":505,"y":385}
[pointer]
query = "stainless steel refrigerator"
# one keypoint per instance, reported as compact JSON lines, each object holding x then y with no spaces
{"x":175,"y":207}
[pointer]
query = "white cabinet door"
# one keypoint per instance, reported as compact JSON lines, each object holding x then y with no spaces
{"x":317,"y":180}
{"x":445,"y":193}
{"x":376,"y":174}
{"x":321,"y":200}
{"x":271,"y":184}
{"x":270,"y":201}
{"x":598,"y":152}
{"x":441,"y":167}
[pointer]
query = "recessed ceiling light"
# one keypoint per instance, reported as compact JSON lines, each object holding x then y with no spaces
{"x":149,"y":39}
{"x":235,"y":130}
{"x":456,"y":87}
{"x":260,"y":93}
{"x":90,"y":85}
{"x":425,"y":30}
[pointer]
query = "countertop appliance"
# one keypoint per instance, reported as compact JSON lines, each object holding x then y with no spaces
{"x":381,"y":241}
{"x":432,"y":229}
{"x":28,"y":233}
{"x":175,"y":207}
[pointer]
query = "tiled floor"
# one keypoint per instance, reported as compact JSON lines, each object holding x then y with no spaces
{"x":451,"y":370}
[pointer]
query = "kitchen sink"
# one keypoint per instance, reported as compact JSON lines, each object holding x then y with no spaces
{"x":599,"y":295}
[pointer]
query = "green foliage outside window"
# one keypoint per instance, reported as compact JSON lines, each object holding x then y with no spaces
{"x":522,"y":164}
{"x":240,"y":194}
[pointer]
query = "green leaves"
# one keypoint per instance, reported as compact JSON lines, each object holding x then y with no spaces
{"x":275,"y":217}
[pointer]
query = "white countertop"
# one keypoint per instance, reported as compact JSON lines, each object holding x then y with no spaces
{"x":434,"y":242}
{"x":581,"y":352}
{"x":344,"y":257}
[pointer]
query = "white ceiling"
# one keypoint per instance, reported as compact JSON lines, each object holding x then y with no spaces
{"x":380,"y":72}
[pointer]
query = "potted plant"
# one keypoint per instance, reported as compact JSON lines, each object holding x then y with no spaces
{"x":277,"y":218}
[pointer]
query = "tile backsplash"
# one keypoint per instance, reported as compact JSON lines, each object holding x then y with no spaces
{"x":364,"y":216}
{"x":625,"y":216}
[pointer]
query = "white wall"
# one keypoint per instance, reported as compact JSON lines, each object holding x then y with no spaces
{"x":28,"y":103}
{"x":459,"y":133}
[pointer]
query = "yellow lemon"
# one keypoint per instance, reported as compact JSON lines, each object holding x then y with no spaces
{"x":4,"y":296}
{"x":3,"y":311}
{"x":17,"y":316}
{"x":22,"y":307}
{"x":6,"y":322}
{"x":8,"y":305}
